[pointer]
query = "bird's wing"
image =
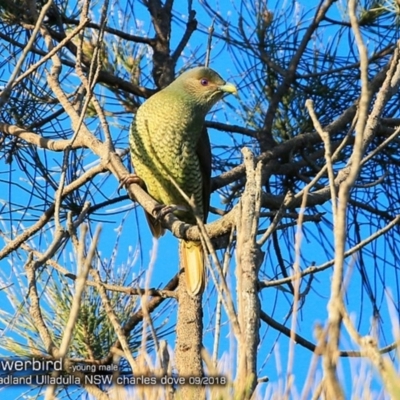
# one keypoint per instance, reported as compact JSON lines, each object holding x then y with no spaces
{"x":204,"y":154}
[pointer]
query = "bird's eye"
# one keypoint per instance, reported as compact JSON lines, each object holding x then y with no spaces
{"x":204,"y":82}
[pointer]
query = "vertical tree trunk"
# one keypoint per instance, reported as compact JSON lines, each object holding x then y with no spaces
{"x":189,"y":333}
{"x":249,"y":258}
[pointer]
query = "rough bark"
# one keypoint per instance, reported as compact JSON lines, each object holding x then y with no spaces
{"x":249,"y":258}
{"x":189,"y":332}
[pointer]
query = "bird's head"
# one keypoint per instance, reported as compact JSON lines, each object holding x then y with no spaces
{"x":203,"y":86}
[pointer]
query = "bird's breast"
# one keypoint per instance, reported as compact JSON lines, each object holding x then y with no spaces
{"x":163,"y":145}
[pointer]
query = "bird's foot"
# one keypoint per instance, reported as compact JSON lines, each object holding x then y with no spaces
{"x":129,"y":179}
{"x":161,"y":210}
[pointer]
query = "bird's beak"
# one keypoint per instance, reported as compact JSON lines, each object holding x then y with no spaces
{"x":228,"y":88}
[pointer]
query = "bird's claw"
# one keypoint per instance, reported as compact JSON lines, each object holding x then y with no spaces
{"x":128,"y":180}
{"x":161,"y":210}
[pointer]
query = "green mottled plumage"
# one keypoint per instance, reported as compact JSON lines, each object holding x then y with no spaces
{"x":165,"y":142}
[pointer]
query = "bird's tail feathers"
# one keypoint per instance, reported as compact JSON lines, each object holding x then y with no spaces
{"x":192,"y":260}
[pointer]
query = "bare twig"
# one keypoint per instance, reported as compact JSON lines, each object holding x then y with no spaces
{"x":209,"y":43}
{"x":296,"y":295}
{"x":331,"y":384}
{"x":35,"y":311}
{"x":83,"y":23}
{"x":80,"y":285}
{"x":328,"y":155}
{"x":354,"y":249}
{"x":226,"y":263}
{"x":39,"y":141}
{"x":114,"y":321}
